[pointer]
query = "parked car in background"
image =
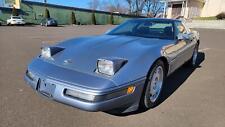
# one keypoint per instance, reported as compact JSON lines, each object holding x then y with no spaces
{"x":122,"y":70}
{"x":0,"y":23}
{"x":49,"y":22}
{"x":15,"y":20}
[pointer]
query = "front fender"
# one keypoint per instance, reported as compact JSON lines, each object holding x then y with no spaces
{"x":138,"y":67}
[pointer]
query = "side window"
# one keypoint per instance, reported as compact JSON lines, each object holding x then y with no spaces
{"x":180,"y":28}
{"x":187,"y":29}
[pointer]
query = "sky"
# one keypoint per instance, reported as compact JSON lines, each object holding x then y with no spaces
{"x":73,"y":3}
{"x":76,"y":3}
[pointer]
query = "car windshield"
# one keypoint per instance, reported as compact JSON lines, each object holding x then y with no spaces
{"x":145,"y":28}
{"x":16,"y":17}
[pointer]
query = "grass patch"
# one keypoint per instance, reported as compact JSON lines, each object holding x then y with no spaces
{"x":205,"y":18}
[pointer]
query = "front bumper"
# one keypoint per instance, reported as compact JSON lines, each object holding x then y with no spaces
{"x":127,"y":102}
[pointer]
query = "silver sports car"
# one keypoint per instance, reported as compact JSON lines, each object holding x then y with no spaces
{"x":123,"y":69}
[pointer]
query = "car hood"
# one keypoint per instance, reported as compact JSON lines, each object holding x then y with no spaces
{"x":83,"y":53}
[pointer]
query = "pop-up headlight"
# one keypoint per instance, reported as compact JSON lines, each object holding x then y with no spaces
{"x":110,"y":66}
{"x":48,"y":52}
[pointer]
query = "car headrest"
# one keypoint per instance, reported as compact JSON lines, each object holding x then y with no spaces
{"x":168,"y":30}
{"x":143,"y":30}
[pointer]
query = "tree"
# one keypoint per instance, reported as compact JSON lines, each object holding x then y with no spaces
{"x":135,"y":6}
{"x":47,"y":14}
{"x":111,"y":19}
{"x":93,"y":18}
{"x":152,"y":7}
{"x":14,"y":12}
{"x":139,"y":5}
{"x":130,"y":5}
{"x":94,"y":4}
{"x":114,"y":6}
{"x":73,"y":18}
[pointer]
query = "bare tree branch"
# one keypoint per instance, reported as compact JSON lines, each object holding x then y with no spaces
{"x":136,"y":6}
{"x":114,"y":6}
{"x":94,"y":4}
{"x":152,"y":7}
{"x":129,"y":2}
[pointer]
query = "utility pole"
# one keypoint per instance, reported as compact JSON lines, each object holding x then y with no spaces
{"x":165,"y":8}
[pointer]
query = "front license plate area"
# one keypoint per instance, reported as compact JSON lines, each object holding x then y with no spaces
{"x":46,"y":89}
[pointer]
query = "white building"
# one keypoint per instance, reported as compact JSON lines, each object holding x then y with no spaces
{"x":195,"y":8}
{"x":213,"y":7}
{"x":10,"y":3}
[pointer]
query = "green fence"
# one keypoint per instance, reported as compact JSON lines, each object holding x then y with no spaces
{"x":5,"y":14}
{"x":33,"y":12}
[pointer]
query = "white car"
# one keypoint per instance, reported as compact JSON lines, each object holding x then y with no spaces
{"x":16,"y":20}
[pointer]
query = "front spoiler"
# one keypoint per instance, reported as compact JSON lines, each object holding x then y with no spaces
{"x":127,"y":102}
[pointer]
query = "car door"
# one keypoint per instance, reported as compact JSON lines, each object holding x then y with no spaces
{"x":178,"y":51}
{"x":192,"y":40}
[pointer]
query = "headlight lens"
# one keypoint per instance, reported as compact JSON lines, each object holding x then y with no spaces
{"x":46,"y":52}
{"x":97,"y":98}
{"x":105,"y":67}
{"x":30,"y":75}
{"x":110,"y":66}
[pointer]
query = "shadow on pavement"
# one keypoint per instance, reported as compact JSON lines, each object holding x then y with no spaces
{"x":173,"y":82}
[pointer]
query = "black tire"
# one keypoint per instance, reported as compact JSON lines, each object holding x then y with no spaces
{"x":146,"y":102}
{"x":193,"y":61}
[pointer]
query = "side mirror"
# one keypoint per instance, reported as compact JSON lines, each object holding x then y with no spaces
{"x":180,"y":37}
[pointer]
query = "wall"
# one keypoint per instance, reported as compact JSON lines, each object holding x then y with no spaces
{"x":33,"y":13}
{"x":194,"y":8}
{"x":169,"y":12}
{"x":213,"y":7}
{"x":197,"y":8}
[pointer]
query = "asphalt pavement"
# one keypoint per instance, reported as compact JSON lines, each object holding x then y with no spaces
{"x":193,"y":97}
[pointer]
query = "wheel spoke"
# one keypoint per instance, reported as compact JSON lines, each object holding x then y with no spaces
{"x":156,"y":84}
